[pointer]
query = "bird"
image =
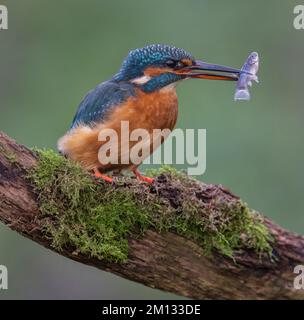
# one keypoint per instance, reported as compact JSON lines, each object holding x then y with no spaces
{"x":142,"y":92}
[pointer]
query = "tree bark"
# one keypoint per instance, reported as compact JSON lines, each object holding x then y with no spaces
{"x":160,"y":260}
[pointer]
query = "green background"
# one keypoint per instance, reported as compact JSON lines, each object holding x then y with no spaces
{"x":55,"y":51}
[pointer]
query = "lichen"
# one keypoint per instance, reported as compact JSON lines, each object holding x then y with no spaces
{"x":97,"y":219}
{"x":8,"y":154}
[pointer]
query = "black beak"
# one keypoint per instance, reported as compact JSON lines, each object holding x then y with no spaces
{"x":204,"y":70}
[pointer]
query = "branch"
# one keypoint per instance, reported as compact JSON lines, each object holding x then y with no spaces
{"x":163,"y":260}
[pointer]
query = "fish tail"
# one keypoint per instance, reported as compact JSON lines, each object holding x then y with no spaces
{"x":242,"y":94}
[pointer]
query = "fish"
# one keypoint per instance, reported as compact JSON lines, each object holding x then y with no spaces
{"x":251,"y":67}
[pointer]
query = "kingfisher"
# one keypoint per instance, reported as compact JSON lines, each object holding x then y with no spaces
{"x":143,"y":93}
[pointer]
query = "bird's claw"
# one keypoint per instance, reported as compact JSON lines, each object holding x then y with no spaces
{"x":99,"y":175}
{"x":140,"y":177}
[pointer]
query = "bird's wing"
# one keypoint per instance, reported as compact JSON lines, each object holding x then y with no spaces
{"x":97,"y":103}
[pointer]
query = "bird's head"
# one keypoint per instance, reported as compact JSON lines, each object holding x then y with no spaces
{"x":157,"y":66}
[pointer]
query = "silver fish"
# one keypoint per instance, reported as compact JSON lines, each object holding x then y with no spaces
{"x":251,"y":65}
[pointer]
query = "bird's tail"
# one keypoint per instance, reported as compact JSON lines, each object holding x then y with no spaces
{"x":81,"y":144}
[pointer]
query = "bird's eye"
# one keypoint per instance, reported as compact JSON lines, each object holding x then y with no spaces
{"x":171,"y":63}
{"x":174,"y":64}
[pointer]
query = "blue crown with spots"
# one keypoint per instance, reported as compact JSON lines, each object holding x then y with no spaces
{"x":153,"y":55}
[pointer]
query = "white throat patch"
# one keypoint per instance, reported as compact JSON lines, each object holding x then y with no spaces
{"x":141,"y":80}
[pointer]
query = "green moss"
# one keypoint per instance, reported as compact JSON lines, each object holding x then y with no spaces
{"x":97,"y":219}
{"x":166,"y":169}
{"x":215,"y":218}
{"x":79,"y":213}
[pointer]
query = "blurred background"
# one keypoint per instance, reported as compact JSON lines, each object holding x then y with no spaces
{"x":55,"y":51}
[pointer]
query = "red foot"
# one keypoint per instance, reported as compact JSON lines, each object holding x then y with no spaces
{"x":142,"y":178}
{"x":99,"y":175}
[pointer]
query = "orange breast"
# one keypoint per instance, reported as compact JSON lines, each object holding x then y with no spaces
{"x":156,"y":110}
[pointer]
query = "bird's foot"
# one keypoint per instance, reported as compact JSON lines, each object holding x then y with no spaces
{"x":142,"y":178}
{"x":99,"y":175}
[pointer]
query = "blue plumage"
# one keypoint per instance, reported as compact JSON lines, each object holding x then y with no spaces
{"x":161,"y":81}
{"x":97,"y":103}
{"x":153,"y":55}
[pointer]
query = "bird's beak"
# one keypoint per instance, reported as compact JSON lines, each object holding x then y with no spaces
{"x":204,"y":70}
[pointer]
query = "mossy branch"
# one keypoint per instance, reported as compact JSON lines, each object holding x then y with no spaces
{"x":178,"y":235}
